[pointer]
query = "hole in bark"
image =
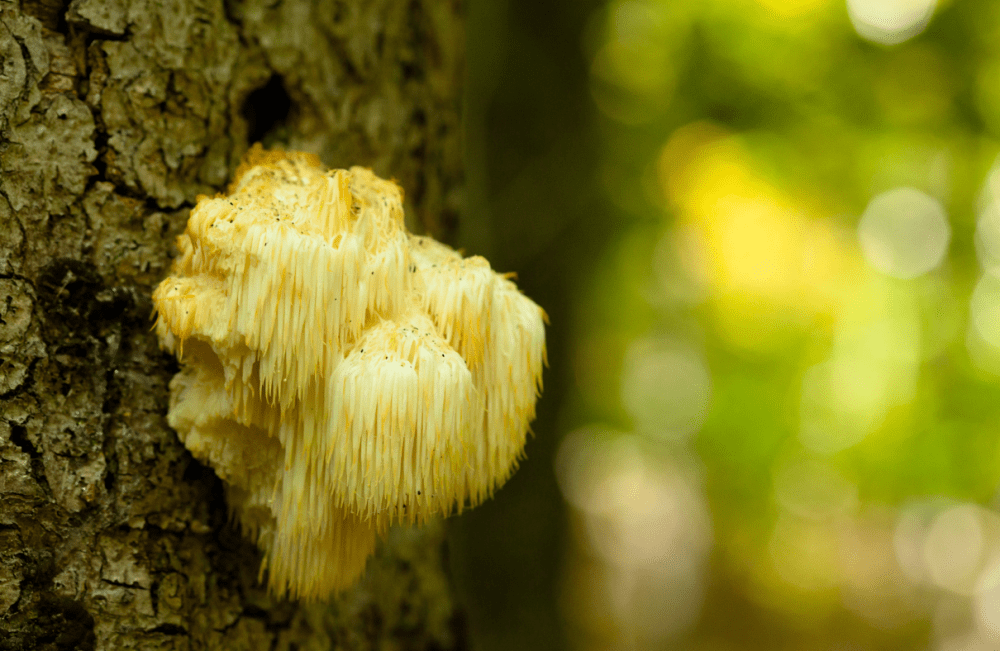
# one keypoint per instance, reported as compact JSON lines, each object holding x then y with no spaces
{"x":19,"y":437}
{"x":266,"y":109}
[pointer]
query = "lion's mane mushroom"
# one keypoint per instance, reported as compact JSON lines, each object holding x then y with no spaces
{"x":339,"y":373}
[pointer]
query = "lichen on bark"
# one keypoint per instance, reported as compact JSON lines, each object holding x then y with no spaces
{"x":114,"y":116}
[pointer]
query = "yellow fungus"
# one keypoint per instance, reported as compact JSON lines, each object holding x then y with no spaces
{"x":339,"y":373}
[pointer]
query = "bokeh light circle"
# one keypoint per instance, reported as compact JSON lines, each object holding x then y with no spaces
{"x":904,"y":233}
{"x":665,"y":388}
{"x":988,"y":223}
{"x":889,"y":21}
{"x":984,"y":309}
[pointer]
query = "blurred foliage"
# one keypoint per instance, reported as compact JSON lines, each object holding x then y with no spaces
{"x":768,"y":234}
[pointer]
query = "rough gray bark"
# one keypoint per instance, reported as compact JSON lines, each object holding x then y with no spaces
{"x":114,"y":116}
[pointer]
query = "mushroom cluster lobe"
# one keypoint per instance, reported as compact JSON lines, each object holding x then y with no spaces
{"x":339,"y":373}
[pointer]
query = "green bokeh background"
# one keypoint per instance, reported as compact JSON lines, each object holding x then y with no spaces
{"x":581,"y":116}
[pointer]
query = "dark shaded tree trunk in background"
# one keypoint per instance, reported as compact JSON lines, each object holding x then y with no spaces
{"x":114,"y":116}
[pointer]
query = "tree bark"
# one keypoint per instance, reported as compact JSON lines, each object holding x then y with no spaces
{"x":114,"y":117}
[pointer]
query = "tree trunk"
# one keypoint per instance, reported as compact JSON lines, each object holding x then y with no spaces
{"x":114,"y":116}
